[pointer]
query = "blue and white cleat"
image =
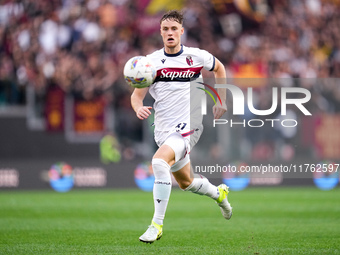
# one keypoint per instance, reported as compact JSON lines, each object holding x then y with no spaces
{"x":222,"y":201}
{"x":153,"y":233}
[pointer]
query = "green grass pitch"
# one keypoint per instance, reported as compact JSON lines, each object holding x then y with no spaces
{"x":265,"y":221}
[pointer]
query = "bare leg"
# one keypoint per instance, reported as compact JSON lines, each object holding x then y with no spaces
{"x":199,"y":185}
{"x":184,"y":176}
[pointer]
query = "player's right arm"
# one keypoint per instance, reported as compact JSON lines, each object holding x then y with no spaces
{"x":137,"y":98}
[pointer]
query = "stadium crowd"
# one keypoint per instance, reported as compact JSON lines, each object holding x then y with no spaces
{"x":82,"y":45}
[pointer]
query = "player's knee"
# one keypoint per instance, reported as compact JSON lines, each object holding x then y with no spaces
{"x":161,"y":168}
{"x":183,"y":184}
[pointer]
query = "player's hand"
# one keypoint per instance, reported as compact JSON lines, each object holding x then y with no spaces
{"x":219,"y":110}
{"x":143,"y":112}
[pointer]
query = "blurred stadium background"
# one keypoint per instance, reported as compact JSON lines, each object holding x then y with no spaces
{"x":63,"y":97}
{"x":66,"y":123}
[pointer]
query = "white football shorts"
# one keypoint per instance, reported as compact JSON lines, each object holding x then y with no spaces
{"x":181,"y":140}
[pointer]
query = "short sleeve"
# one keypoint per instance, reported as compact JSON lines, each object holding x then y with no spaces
{"x":208,"y":60}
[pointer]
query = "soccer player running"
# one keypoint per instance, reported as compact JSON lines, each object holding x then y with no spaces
{"x":176,"y":66}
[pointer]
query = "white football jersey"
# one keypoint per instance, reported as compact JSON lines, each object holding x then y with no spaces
{"x":171,"y":89}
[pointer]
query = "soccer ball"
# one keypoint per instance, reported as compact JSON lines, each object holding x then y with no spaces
{"x":139,"y":72}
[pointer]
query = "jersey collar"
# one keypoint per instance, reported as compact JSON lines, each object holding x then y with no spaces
{"x":176,"y":54}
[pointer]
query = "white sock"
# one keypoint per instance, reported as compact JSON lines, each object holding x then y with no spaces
{"x":161,"y":189}
{"x":201,"y":185}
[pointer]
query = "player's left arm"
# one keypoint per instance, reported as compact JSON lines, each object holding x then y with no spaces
{"x":221,"y":78}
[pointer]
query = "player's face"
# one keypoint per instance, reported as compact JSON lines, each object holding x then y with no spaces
{"x":171,"y":32}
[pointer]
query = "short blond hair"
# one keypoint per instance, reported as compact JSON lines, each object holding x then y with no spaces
{"x":173,"y":15}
